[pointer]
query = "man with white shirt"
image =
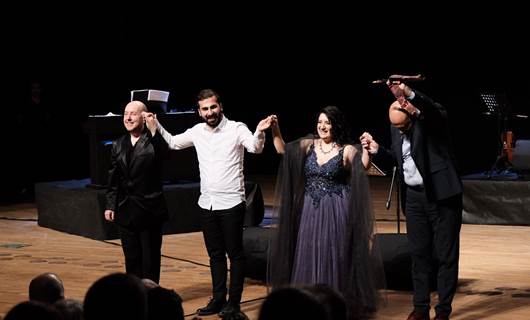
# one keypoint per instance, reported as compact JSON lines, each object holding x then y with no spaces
{"x":431,"y":194}
{"x":220,"y":145}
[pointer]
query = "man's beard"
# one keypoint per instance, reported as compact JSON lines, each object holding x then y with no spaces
{"x":217,"y":119}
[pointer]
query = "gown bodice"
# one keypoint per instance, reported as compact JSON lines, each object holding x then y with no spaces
{"x":324,"y":180}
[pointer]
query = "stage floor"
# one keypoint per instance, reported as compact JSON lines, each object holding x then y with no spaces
{"x":494,"y":282}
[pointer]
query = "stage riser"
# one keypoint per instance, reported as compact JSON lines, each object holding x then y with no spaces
{"x":69,"y":206}
{"x":496,"y":202}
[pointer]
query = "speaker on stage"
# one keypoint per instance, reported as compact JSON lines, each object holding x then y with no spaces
{"x":256,"y":247}
{"x":396,"y":260}
{"x":255,"y":205}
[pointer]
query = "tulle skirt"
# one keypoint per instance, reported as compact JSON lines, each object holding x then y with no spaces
{"x":320,"y":255}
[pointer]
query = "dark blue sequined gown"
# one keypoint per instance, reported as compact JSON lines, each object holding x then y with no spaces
{"x":319,"y":255}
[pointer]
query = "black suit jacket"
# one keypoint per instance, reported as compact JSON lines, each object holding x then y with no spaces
{"x":431,"y":149}
{"x":135,"y":181}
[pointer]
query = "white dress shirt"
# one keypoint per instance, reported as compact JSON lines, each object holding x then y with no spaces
{"x":220,"y":152}
{"x":410,"y":172}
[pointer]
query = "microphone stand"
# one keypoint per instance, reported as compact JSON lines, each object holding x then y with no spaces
{"x":389,"y":199}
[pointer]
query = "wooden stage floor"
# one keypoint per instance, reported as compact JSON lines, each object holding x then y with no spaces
{"x":494,"y":269}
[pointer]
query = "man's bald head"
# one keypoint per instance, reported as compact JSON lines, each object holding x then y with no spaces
{"x":132,"y":117}
{"x":399,"y":117}
{"x":47,"y":288}
{"x":138,"y":105}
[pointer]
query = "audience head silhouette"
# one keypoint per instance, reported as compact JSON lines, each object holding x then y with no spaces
{"x":29,"y":310}
{"x":70,"y":309}
{"x":116,"y":296}
{"x":164,"y":304}
{"x":47,"y":288}
{"x":292,"y":303}
{"x":331,"y":299}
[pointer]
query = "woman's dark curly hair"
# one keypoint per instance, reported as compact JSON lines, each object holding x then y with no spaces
{"x":340,"y":129}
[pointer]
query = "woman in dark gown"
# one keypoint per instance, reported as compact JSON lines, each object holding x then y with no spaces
{"x":325,"y":226}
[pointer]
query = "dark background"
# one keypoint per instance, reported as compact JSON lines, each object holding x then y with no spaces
{"x":290,"y":61}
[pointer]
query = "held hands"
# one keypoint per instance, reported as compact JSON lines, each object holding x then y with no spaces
{"x":150,"y":121}
{"x":368,"y":143}
{"x":265,"y":124}
{"x":277,"y":138}
{"x":274,"y":120}
{"x":275,"y":125}
{"x":109,"y":215}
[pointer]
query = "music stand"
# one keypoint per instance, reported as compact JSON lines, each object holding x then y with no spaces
{"x":496,"y":104}
{"x":375,"y":171}
{"x":491,"y":102}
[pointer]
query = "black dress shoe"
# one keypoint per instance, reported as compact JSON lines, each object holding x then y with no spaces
{"x":213,"y":307}
{"x":229,"y":309}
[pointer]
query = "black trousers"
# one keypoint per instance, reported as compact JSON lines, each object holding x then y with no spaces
{"x":142,"y":251}
{"x":223,"y":234}
{"x":433,"y":232}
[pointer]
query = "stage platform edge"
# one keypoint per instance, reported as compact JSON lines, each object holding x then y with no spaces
{"x":72,"y":207}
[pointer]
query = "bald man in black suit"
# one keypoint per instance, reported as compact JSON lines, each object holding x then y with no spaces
{"x":135,"y":199}
{"x":431,"y":194}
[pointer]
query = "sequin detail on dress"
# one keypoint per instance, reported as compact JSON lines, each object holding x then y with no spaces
{"x":327,"y":179}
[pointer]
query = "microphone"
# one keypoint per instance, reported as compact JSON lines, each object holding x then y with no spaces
{"x":398,"y":78}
